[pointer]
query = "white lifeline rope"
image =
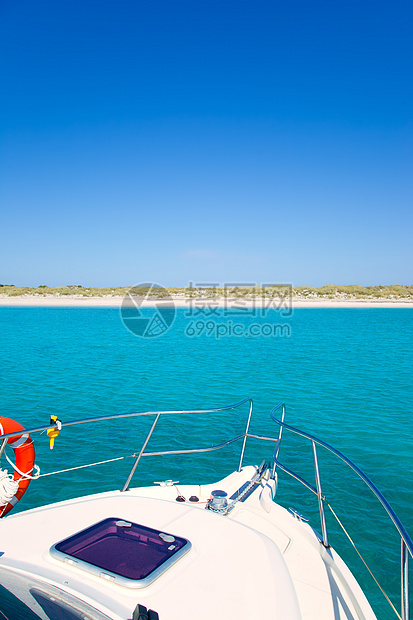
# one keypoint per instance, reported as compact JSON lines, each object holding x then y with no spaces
{"x":27,"y":475}
{"x":8,"y":487}
{"x":62,"y":471}
{"x":51,"y":473}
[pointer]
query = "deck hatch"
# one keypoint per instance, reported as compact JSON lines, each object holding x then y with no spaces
{"x":127,"y":553}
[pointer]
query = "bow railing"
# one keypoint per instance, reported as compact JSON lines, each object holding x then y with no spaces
{"x":405,"y":540}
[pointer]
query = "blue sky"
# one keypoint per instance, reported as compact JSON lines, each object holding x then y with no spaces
{"x":206,"y":142}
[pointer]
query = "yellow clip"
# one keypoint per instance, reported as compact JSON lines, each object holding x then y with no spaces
{"x":52,"y":433}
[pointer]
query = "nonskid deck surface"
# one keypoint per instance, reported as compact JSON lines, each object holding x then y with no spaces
{"x":256,"y":562}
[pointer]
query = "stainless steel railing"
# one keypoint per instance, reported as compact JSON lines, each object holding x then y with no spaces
{"x":142,"y":452}
{"x":196,"y":450}
{"x":406,"y":541}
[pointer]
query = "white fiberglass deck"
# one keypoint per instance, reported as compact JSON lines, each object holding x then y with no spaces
{"x":257,"y":562}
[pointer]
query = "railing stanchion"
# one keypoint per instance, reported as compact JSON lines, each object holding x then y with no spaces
{"x":320,"y":497}
{"x":247,"y":427}
{"x":3,"y":445}
{"x":138,"y":458}
{"x":280,"y":434}
{"x":405,"y":580}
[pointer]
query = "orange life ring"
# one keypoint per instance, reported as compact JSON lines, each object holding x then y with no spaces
{"x":24,"y":452}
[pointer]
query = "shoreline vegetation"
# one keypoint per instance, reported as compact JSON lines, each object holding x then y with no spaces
{"x":329,"y":293}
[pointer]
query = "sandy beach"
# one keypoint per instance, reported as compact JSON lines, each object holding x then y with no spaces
{"x":116,"y":301}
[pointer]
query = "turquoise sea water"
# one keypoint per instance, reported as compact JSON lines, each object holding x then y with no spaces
{"x":344,"y":374}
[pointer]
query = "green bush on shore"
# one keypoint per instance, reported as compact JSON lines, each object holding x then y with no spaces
{"x":328,"y":291}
